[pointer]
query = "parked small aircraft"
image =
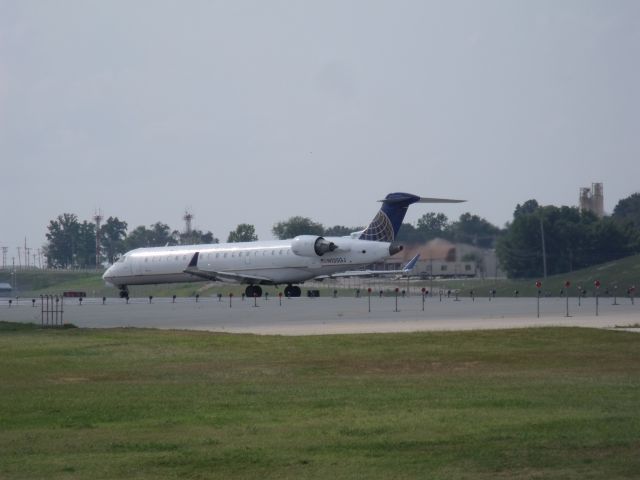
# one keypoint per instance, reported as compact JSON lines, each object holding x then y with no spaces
{"x":277,"y":262}
{"x":404,"y":272}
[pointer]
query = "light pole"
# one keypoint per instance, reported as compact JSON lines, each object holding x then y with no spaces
{"x":544,"y":250}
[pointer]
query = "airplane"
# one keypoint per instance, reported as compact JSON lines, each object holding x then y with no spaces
{"x":404,"y":272}
{"x":274,"y":262}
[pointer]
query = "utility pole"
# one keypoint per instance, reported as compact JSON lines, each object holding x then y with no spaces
{"x":19,"y":259}
{"x":13,"y":271}
{"x":188,"y":217}
{"x":4,"y":257}
{"x":431,"y":276}
{"x":544,"y":250}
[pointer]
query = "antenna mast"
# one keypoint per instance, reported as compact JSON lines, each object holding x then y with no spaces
{"x":188,"y":216}
{"x":97,"y":217}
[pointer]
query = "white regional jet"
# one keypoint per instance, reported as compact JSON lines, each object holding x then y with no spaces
{"x":288,"y":262}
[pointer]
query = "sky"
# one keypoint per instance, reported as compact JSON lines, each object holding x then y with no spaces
{"x":255,"y":111}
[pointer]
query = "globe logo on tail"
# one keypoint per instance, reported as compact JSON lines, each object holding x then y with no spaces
{"x":380,"y":229}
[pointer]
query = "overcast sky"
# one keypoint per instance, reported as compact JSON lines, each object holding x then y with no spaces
{"x":255,"y":111}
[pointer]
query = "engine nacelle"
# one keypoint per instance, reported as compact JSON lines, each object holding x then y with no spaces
{"x":311,"y":246}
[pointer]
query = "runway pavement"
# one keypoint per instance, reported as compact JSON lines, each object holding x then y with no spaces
{"x":313,"y":316}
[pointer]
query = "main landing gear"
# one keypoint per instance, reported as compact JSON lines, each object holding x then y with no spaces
{"x":253,"y":291}
{"x":292,"y":291}
{"x":256,"y":291}
{"x":124,"y":292}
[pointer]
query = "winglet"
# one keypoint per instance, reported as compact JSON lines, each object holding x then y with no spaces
{"x":412,"y":263}
{"x":194,"y":261}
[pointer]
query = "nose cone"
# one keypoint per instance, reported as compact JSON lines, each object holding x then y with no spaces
{"x":108,"y":275}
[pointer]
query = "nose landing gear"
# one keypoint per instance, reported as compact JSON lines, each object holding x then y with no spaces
{"x":124,"y":292}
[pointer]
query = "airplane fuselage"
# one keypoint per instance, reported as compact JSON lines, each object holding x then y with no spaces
{"x":267,"y":262}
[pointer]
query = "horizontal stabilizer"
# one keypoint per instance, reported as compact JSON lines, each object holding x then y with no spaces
{"x":422,"y":200}
{"x":439,"y":200}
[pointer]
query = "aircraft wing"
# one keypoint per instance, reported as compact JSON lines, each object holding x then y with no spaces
{"x":213,"y":275}
{"x":373,"y":273}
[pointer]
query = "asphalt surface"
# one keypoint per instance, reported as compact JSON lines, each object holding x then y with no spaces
{"x":313,"y":316}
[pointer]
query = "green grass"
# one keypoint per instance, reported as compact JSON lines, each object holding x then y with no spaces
{"x":124,"y":403}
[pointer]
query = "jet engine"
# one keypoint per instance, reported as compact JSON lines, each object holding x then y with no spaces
{"x":311,"y":246}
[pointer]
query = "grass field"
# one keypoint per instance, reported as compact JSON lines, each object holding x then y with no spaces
{"x":537,"y":403}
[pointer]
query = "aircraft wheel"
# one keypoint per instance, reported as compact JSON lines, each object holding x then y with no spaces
{"x":288,"y":291}
{"x":124,"y":292}
{"x":296,"y":291}
{"x":253,"y":290}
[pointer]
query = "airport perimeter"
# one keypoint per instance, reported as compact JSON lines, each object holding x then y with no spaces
{"x":316,"y":316}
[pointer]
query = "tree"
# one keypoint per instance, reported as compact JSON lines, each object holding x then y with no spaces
{"x":195,"y":237}
{"x":158,"y":235}
{"x":527,"y":208}
{"x":61,"y":240}
{"x":243,"y":233}
{"x":139,"y":237}
{"x":628,"y":209}
{"x":85,"y":245}
{"x":113,"y":234}
{"x":297,"y":226}
{"x":71,"y":243}
{"x":341,"y":231}
{"x":434,"y":225}
{"x":573,"y":239}
{"x":474,"y":230}
{"x":409,"y":234}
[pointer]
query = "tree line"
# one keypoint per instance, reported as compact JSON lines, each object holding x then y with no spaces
{"x":573,"y":239}
{"x":71,"y":243}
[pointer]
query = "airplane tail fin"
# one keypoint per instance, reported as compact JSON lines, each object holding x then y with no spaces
{"x":412,"y":263}
{"x":385,"y":225}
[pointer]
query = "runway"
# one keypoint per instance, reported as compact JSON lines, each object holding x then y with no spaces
{"x":318,"y":316}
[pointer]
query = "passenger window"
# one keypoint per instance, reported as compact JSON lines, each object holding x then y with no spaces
{"x":217,"y":255}
{"x":273,"y":252}
{"x":146,"y":260}
{"x":225,"y":254}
